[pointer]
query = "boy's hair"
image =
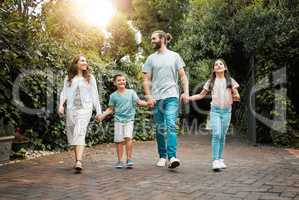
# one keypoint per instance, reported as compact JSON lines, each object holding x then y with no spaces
{"x":117,"y":75}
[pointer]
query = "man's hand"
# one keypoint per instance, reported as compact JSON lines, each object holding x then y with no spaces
{"x":151,"y":103}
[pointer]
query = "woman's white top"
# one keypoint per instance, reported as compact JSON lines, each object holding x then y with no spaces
{"x":88,"y":93}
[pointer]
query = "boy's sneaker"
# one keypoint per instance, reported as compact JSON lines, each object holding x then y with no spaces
{"x":130,"y":164}
{"x":216,"y":165}
{"x":119,"y":165}
{"x":221,"y":164}
{"x":173,"y":163}
{"x":161,"y":162}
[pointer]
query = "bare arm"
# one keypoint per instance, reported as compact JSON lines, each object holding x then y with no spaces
{"x":199,"y":96}
{"x":146,"y":86}
{"x":108,"y":111}
{"x":185,"y":84}
{"x":62,"y":97}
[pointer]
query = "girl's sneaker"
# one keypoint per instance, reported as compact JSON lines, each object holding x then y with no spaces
{"x":221,"y":164}
{"x":119,"y":165}
{"x":130,"y":164}
{"x":216,"y":165}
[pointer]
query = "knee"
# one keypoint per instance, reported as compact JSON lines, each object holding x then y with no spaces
{"x":216,"y":135}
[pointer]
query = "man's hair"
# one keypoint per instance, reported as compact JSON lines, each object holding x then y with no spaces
{"x":167,"y":36}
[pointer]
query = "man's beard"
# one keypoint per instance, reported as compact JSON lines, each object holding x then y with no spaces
{"x":157,"y":45}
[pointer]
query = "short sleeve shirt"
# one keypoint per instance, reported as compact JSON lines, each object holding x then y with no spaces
{"x":124,"y":105}
{"x":163,"y":68}
{"x":221,"y":95}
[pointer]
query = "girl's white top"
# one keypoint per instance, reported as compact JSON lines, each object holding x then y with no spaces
{"x":88,"y":93}
{"x":221,"y":95}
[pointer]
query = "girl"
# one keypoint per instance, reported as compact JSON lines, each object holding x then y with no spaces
{"x":80,"y":94}
{"x":224,"y":91}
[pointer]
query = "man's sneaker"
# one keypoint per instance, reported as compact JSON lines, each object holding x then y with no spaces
{"x":161,"y":162}
{"x":221,"y":164}
{"x":119,"y":165}
{"x":173,"y":163}
{"x":130,"y":164}
{"x":216,"y":165}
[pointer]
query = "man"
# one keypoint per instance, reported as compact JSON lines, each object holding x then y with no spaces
{"x":161,"y":71}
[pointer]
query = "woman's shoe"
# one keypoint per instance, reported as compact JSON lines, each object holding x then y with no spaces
{"x":78,"y":165}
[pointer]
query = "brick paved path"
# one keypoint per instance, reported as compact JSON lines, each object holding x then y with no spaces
{"x":254,"y":173}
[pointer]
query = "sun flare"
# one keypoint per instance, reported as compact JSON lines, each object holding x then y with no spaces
{"x":96,"y":12}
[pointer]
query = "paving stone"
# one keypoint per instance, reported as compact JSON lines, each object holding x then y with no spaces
{"x":253,"y":173}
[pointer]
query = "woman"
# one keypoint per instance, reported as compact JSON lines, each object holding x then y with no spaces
{"x":80,"y":94}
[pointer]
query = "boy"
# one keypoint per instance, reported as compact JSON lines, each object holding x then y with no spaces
{"x":123,"y":103}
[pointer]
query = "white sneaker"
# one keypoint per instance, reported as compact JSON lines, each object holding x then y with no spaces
{"x":174,"y":163}
{"x":221,"y":164}
{"x":216,"y":165}
{"x":161,"y":162}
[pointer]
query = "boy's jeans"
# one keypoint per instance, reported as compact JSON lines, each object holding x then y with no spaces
{"x":220,"y":119}
{"x":165,"y":115}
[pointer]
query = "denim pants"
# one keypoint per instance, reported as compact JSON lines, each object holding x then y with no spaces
{"x":165,"y":115}
{"x":220,"y":120}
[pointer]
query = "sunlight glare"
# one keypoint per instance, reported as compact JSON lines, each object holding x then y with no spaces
{"x":96,"y":12}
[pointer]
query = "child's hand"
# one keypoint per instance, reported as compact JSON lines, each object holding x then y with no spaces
{"x":236,"y":96}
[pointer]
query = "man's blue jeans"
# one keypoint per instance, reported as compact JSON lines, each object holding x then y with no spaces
{"x":220,"y":119}
{"x":165,"y":115}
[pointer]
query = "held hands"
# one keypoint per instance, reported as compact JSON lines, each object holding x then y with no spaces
{"x":100,"y":118}
{"x":185,"y":98}
{"x":151,"y":102}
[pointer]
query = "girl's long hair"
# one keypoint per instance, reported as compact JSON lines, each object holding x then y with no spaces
{"x":226,"y":75}
{"x":72,"y":70}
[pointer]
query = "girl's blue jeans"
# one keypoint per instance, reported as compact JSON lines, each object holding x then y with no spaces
{"x":220,"y":120}
{"x":165,"y":115}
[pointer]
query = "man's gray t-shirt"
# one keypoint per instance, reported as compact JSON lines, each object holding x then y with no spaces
{"x":163,"y":68}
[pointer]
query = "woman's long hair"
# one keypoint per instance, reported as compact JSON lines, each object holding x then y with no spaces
{"x":226,"y":75}
{"x":72,"y":70}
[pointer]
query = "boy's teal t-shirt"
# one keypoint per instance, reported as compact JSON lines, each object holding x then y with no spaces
{"x":124,"y":105}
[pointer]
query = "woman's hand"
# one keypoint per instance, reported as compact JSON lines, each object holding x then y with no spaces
{"x":61,"y":110}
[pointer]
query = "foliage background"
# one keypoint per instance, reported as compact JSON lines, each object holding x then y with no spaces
{"x":253,"y":36}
